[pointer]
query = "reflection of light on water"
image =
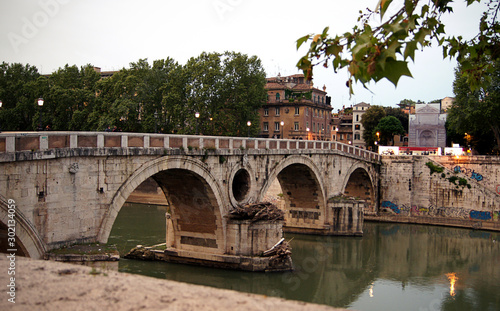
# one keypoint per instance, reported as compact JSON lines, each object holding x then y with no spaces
{"x":453,"y":279}
{"x":371,"y":291}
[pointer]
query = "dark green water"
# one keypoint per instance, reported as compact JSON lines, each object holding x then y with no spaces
{"x":392,"y":267}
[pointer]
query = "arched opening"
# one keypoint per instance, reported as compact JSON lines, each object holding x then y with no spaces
{"x":360,"y":186}
{"x":303,"y":198}
{"x":194,"y":209}
{"x":5,"y":247}
{"x":195,"y":221}
{"x":241,"y":185}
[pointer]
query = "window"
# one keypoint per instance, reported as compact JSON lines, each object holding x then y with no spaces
{"x":296,"y":126}
{"x":307,"y":124}
{"x":356,"y":136}
{"x":277,"y":111}
{"x":314,"y":127}
{"x":266,"y":112}
{"x":357,"y":127}
{"x":307,"y":111}
{"x":314,"y":98}
{"x":278,"y":97}
{"x":357,"y":118}
{"x":266,"y":127}
{"x":297,"y":111}
{"x":276,"y":126}
{"x":341,"y":136}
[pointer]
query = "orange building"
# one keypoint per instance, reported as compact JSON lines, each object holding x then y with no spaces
{"x":295,"y":109}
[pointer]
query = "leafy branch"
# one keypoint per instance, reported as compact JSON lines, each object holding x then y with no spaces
{"x":372,"y":54}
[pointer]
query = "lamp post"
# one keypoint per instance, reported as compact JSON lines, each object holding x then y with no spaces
{"x":40,"y":104}
{"x":156,"y":122}
{"x":197,"y":116}
{"x":307,"y":133}
{"x":282,"y":130}
{"x":249,"y":124}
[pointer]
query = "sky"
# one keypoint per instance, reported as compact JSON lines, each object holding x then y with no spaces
{"x":110,"y":34}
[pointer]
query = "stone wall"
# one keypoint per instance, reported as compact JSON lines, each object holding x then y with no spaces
{"x":409,"y":188}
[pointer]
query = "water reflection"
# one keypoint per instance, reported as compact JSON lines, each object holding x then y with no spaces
{"x":419,"y":267}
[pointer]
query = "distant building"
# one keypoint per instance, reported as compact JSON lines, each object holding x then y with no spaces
{"x":104,"y":74}
{"x":446,"y":103}
{"x":357,"y":128}
{"x":342,"y":128}
{"x":427,"y":126}
{"x":295,"y":109}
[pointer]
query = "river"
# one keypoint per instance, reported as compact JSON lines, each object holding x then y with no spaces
{"x":392,"y":267}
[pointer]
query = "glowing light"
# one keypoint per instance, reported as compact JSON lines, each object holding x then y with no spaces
{"x":452,"y":277}
{"x":371,"y":291}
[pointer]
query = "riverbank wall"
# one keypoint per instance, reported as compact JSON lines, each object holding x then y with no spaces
{"x":434,"y":191}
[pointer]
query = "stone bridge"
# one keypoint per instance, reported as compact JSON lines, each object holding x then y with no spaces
{"x":68,"y":187}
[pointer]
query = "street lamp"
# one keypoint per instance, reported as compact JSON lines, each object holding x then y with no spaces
{"x":282,"y":130}
{"x":197,"y":116}
{"x":40,"y":104}
{"x":156,"y":122}
{"x":249,"y":124}
{"x":307,"y":131}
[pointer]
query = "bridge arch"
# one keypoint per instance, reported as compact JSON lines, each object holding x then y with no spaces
{"x":358,"y":182}
{"x":303,"y":191}
{"x":196,"y":202}
{"x":28,"y":241}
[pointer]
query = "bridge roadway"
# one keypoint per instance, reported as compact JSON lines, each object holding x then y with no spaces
{"x":68,"y":187}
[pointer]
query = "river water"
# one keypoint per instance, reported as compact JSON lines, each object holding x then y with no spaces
{"x":392,"y":267}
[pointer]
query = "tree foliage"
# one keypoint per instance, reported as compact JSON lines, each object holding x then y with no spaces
{"x":477,"y":112}
{"x":374,"y":52}
{"x":370,"y":120}
{"x":225,"y":89}
{"x":388,"y":127}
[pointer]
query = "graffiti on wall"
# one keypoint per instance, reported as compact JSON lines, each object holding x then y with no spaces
{"x":480,"y":215}
{"x":467,"y":171}
{"x":450,"y":212}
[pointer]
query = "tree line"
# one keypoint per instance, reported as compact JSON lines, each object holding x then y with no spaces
{"x":213,"y":94}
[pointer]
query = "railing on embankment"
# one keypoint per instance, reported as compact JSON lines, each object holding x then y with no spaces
{"x":40,"y":141}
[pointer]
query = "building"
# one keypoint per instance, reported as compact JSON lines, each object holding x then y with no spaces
{"x":427,"y":126}
{"x":446,"y":103}
{"x":295,"y":109}
{"x":342,"y":127}
{"x":357,"y":128}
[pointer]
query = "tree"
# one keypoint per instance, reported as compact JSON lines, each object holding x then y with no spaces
{"x":383,"y":51}
{"x":388,"y":127}
{"x":370,"y":120}
{"x":398,"y":114}
{"x":227,"y":90}
{"x":477,"y":112}
{"x":20,"y":87}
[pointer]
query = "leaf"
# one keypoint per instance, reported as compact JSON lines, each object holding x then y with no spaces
{"x":409,"y":7}
{"x":395,"y":69}
{"x":384,"y":5}
{"x":301,"y":41}
{"x":410,"y":49}
{"x":316,"y":38}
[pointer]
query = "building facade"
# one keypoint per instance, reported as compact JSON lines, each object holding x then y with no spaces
{"x":427,"y":126}
{"x":295,"y":109}
{"x":357,"y":128}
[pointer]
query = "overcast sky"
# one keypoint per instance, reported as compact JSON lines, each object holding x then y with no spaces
{"x":112,"y":33}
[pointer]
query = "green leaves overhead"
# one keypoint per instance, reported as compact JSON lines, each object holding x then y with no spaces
{"x":374,"y":52}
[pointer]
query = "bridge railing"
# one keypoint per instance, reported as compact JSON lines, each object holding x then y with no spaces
{"x":40,"y":141}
